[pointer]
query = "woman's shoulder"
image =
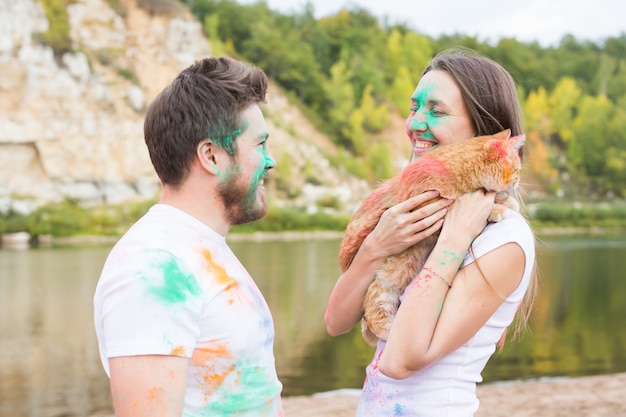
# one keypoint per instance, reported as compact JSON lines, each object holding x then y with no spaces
{"x":513,"y":222}
{"x":514,"y":228}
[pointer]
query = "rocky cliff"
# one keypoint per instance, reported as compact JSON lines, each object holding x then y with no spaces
{"x":72,"y":125}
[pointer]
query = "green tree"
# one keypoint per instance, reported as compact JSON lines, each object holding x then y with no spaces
{"x":616,"y":152}
{"x":606,"y":69}
{"x":538,"y":126}
{"x":401,"y":90}
{"x":210,"y":27}
{"x":376,"y":117}
{"x":564,"y":101}
{"x":417,"y":50}
{"x":58,"y":34}
{"x":588,"y":148}
{"x":616,"y":88}
{"x":577,"y":60}
{"x":379,"y":162}
{"x":353,"y":130}
{"x":537,"y":112}
{"x":340,"y":95}
{"x":520,"y":61}
{"x":272,"y":49}
{"x":394,"y":59}
{"x":313,"y":33}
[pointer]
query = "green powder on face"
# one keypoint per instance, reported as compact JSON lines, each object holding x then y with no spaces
{"x":420,"y":102}
{"x":228,"y":141}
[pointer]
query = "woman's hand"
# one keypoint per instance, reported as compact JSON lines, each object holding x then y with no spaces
{"x":399,"y":227}
{"x":468,"y":216}
{"x":402,"y":225}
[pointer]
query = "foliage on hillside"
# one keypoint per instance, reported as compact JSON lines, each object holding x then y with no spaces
{"x":354,"y":71}
{"x":70,"y":218}
{"x":58,"y":33}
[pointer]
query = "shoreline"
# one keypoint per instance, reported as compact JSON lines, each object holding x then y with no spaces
{"x":22,"y":240}
{"x":586,"y":396}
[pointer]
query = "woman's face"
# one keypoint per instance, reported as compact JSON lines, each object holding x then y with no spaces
{"x":438,"y":114}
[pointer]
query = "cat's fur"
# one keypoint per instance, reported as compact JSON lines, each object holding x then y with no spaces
{"x":487,"y":162}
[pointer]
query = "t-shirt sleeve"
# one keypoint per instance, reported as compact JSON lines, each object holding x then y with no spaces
{"x":513,"y":229}
{"x":150,"y":304}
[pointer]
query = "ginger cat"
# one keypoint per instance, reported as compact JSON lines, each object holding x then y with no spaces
{"x":488,"y":162}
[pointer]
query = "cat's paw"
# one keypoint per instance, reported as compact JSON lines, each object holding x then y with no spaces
{"x":380,"y":329}
{"x":375,"y":329}
{"x":369,"y":337}
{"x":506,"y":199}
{"x":498,"y":213}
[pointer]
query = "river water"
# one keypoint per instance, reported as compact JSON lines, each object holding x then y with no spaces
{"x":49,"y":363}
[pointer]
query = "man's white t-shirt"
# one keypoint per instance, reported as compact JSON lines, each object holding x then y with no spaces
{"x":172,"y":286}
{"x":447,"y":388}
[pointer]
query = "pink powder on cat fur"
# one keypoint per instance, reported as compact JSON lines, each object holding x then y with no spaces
{"x":499,"y":148}
{"x":425,"y":166}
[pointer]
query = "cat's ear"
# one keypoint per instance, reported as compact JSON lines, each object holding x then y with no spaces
{"x":517,"y":142}
{"x":503,"y":135}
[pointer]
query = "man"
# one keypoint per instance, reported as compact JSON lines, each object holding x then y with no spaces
{"x":182,"y":328}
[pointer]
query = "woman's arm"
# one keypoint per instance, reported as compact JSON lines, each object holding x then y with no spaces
{"x":434,"y":320}
{"x":399,"y":227}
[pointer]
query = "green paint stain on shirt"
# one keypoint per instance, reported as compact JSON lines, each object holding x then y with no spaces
{"x":253,"y":392}
{"x":174,"y":285}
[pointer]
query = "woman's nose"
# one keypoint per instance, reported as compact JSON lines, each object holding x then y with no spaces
{"x":417,"y":122}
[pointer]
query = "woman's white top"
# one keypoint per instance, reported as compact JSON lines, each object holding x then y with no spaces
{"x":448,"y":386}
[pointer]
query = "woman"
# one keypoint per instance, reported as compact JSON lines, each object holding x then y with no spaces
{"x":442,"y":335}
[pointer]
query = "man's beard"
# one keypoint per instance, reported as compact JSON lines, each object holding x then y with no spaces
{"x":240,"y":200}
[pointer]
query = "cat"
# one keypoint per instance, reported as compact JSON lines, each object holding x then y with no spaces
{"x":490,"y":162}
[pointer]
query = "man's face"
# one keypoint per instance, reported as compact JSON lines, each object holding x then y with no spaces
{"x":242,"y":191}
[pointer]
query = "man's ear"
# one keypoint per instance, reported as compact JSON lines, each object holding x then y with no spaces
{"x":209,"y":155}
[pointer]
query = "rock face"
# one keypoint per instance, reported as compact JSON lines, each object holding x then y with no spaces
{"x":72,"y":126}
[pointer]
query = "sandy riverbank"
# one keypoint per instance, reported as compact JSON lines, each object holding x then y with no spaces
{"x":595,"y":396}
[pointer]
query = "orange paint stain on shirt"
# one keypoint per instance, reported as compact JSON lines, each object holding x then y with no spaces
{"x":220,"y":273}
{"x":216,"y":362}
{"x":216,"y":379}
{"x":203,"y":355}
{"x":178,"y":351}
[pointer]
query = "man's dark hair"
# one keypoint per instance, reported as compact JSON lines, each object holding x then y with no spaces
{"x":203,"y":102}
